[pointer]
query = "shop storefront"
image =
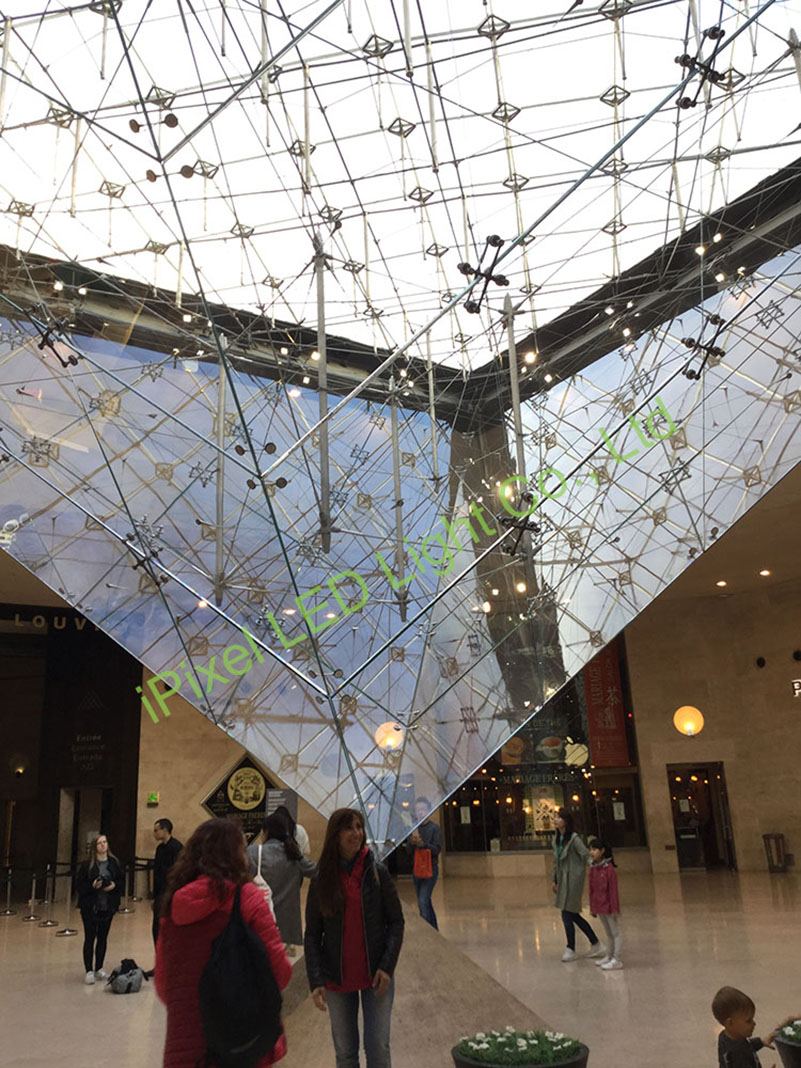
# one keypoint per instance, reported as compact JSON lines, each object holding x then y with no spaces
{"x":579,"y":754}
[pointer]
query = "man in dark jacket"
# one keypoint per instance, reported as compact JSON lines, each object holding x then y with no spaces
{"x":167,"y":852}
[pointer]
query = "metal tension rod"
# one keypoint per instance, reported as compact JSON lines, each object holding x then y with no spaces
{"x":254,"y":76}
{"x":322,"y":390}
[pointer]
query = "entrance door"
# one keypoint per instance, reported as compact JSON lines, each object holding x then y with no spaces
{"x":701,"y":820}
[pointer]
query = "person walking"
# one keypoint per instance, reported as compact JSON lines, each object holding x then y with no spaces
{"x":426,"y":845}
{"x":605,"y":903}
{"x":167,"y":850}
{"x":570,"y":858}
{"x":279,"y":862}
{"x":196,"y":909}
{"x":98,"y":882}
{"x":354,"y":933}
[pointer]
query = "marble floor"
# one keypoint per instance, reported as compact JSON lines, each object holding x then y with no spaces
{"x":684,"y":937}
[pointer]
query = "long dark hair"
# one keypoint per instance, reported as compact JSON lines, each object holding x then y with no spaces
{"x":596,"y":843}
{"x":282,"y":810}
{"x":216,"y":849}
{"x":276,"y":827}
{"x":569,"y":826}
{"x":329,"y":885}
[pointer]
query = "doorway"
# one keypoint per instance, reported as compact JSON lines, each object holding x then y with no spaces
{"x":701,"y":820}
{"x":83,"y":813}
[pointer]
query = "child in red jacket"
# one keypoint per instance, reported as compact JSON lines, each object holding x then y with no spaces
{"x":604,"y":901}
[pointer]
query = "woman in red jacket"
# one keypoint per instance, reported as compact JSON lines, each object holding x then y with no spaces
{"x":196,"y":908}
{"x":604,"y":902}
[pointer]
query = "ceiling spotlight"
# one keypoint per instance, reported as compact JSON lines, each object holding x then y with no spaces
{"x":495,"y":591}
{"x":741,"y":270}
{"x":58,"y":286}
{"x":306,"y":380}
{"x":630,"y":304}
{"x":486,"y":607}
{"x":289,"y":611}
{"x":203,"y":603}
{"x":722,"y":583}
{"x":82,"y":291}
{"x":294,"y":393}
{"x":520,"y":587}
{"x":283,"y":351}
{"x":626,"y":332}
{"x":718,"y":237}
{"x":403,"y":372}
{"x":315,"y":355}
{"x":549,"y":378}
{"x":720,"y":277}
{"x":187,"y":318}
{"x":700,"y":249}
{"x":609,"y":310}
{"x":764,"y":572}
{"x":530,"y":357}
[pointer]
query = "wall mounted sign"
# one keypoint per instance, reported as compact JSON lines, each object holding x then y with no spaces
{"x":796,"y":684}
{"x":247,"y":795}
{"x":605,"y":716}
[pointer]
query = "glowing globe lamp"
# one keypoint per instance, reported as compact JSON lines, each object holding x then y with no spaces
{"x":389,"y":736}
{"x":688,"y":720}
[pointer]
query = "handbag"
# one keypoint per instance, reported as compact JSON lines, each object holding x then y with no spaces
{"x":423,"y":868}
{"x":263,"y":885}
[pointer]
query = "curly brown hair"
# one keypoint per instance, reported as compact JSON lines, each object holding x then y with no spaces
{"x":216,"y":849}
{"x":329,"y":884}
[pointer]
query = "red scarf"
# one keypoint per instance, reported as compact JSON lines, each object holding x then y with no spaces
{"x":355,"y":967}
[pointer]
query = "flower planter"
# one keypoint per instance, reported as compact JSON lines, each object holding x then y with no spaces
{"x":790,"y":1052}
{"x":576,"y":1060}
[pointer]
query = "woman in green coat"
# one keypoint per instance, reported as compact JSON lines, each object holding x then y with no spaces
{"x":570,"y":859}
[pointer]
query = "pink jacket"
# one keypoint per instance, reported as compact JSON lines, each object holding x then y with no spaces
{"x":183,"y":947}
{"x":603,"y":889}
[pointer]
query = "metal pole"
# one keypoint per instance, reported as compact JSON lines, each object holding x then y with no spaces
{"x":8,"y":911}
{"x":135,"y":872}
{"x":509,"y":315}
{"x":400,"y":553}
{"x":50,"y":882}
{"x":125,"y":910}
{"x":219,"y":518}
{"x":432,"y":412}
{"x":322,"y":391}
{"x":31,"y":904}
{"x":67,"y":931}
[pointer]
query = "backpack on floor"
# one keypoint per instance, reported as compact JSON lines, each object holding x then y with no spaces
{"x":126,"y":978}
{"x":240,"y":1003}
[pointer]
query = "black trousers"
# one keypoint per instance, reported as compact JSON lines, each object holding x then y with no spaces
{"x":156,"y":919}
{"x":95,"y":937}
{"x":571,"y":920}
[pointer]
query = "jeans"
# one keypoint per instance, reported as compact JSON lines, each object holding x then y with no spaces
{"x":571,"y":918}
{"x":343,"y":1010}
{"x":424,"y":889}
{"x":614,"y":939}
{"x":95,"y":936}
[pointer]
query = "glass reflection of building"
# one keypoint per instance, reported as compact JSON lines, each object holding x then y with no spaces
{"x":508,"y":805}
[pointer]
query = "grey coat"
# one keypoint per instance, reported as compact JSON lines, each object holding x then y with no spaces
{"x":284,"y":877}
{"x":569,"y":872}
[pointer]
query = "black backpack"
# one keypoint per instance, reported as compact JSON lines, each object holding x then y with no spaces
{"x":240,"y":1003}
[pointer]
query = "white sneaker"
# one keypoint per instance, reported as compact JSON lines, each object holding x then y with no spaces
{"x":100,"y":974}
{"x":596,"y":951}
{"x":569,"y":954}
{"x":90,"y":979}
{"x":613,"y":965}
{"x":600,"y":963}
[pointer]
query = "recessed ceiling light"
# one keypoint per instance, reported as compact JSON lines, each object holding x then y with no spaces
{"x":520,"y":587}
{"x":764,"y":572}
{"x":530,"y":357}
{"x":722,"y":582}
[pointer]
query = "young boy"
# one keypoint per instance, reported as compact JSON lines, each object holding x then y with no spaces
{"x":735,"y":1011}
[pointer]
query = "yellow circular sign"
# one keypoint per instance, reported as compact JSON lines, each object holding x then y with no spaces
{"x":246,"y":788}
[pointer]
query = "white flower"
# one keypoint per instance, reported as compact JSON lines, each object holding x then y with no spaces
{"x":472,"y":1045}
{"x":480,"y":1034}
{"x":558,"y":1036}
{"x":483,"y":1045}
{"x":521,"y":1043}
{"x":509,"y":1029}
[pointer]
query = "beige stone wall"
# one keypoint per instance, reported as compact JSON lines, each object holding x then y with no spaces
{"x":702,"y":652}
{"x":183,"y":758}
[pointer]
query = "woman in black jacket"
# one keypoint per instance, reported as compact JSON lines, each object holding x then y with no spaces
{"x":354,"y":931}
{"x":99,"y":885}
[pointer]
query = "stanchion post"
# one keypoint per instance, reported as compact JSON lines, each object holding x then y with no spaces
{"x":126,"y":876}
{"x":8,"y":911}
{"x":135,"y":870}
{"x":50,"y":893}
{"x":67,"y":931}
{"x":32,"y":915}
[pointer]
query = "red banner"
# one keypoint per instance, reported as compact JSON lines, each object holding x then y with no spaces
{"x":606,"y":723}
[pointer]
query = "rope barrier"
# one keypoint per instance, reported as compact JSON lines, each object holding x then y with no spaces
{"x":8,"y":911}
{"x":50,"y":890}
{"x":32,"y":915}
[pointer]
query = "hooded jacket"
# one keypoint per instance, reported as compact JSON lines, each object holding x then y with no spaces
{"x":604,"y":900}
{"x":569,"y":872}
{"x":382,"y":917}
{"x":195,"y":919}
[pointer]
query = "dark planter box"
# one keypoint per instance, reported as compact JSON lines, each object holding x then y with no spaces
{"x":790,"y":1052}
{"x":578,"y":1060}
